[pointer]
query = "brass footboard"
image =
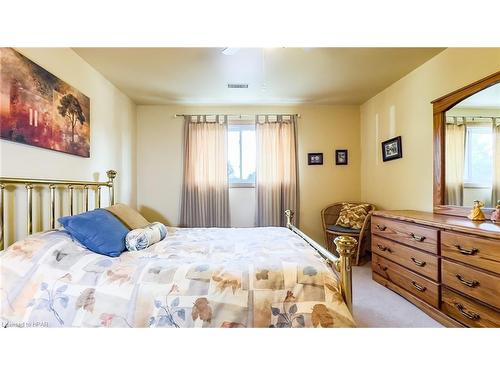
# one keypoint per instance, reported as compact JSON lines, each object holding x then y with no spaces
{"x":346,"y":247}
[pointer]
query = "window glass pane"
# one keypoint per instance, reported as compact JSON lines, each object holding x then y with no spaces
{"x":248,"y":155}
{"x":479,"y":155}
{"x":233,"y":155}
{"x":241,"y":154}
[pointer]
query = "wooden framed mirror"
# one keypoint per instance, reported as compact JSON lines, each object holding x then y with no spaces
{"x":467,"y":122}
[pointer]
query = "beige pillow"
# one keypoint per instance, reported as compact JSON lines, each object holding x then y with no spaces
{"x":128,"y":216}
{"x":352,"y":215}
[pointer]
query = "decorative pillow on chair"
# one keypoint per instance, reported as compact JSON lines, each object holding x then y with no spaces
{"x":142,"y":238}
{"x":128,"y":216}
{"x":98,"y":230}
{"x":352,"y":215}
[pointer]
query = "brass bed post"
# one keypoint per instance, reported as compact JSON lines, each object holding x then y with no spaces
{"x":111,"y":176}
{"x":342,"y":265}
{"x":52,"y":188}
{"x":29,"y":197}
{"x":86,"y":197}
{"x":71,"y":189}
{"x":98,"y":204}
{"x":346,"y":247}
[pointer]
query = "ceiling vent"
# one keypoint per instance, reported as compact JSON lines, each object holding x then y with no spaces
{"x":237,"y":85}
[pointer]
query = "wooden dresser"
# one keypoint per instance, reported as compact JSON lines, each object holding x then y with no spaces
{"x":447,"y":266}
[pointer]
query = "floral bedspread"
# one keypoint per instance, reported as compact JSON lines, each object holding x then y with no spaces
{"x":255,"y":277}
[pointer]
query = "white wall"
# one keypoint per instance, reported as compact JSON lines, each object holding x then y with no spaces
{"x":242,"y":204}
{"x":113,"y":135}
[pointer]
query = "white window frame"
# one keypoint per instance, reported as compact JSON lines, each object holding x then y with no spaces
{"x":467,"y":182}
{"x":241,"y":124}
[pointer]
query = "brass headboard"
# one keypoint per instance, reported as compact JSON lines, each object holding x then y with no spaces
{"x":70,"y":185}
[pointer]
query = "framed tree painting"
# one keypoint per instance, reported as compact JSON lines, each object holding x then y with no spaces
{"x":39,"y":109}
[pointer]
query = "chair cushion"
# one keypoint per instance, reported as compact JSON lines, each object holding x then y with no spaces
{"x":352,"y":215}
{"x":128,"y":216}
{"x":97,"y":230}
{"x":338,"y":228}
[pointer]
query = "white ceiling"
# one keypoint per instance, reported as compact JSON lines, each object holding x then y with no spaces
{"x":488,"y":98}
{"x":274,"y":76}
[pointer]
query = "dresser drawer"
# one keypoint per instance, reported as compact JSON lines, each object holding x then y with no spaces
{"x":467,"y":311}
{"x":418,"y":261}
{"x":480,"y":252}
{"x":419,"y":286}
{"x":418,"y":236}
{"x":474,"y":283}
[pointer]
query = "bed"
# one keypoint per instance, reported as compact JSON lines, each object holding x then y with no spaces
{"x":195,"y":277}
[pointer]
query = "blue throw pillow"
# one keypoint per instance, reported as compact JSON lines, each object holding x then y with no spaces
{"x":98,"y":230}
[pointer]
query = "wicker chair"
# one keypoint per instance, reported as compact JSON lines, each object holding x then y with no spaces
{"x":329,"y":216}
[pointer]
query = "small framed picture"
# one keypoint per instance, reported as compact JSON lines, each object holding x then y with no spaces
{"x":315,"y":158}
{"x":341,"y":157}
{"x":391,"y":149}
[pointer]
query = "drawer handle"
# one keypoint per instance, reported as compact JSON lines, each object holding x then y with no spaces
{"x":419,"y":263}
{"x":417,"y":238}
{"x":418,"y":287}
{"x":384,"y":248}
{"x":383,"y":268}
{"x":470,"y":284}
{"x":472,"y":251}
{"x":381,"y":227}
{"x":468,"y":314}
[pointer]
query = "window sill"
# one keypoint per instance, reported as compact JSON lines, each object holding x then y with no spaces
{"x":474,"y":185}
{"x":241,"y":186}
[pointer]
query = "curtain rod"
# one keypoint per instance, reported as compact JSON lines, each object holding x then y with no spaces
{"x":464,"y":119}
{"x":239,"y":115}
{"x":488,"y":117}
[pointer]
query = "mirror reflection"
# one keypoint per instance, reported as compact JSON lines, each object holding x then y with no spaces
{"x":472,"y":150}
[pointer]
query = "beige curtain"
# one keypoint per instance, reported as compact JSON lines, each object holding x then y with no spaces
{"x":205,"y":193}
{"x":276,"y":170}
{"x":495,"y":192}
{"x":454,"y":163}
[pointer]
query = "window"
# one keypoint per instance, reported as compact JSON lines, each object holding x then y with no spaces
{"x":478,"y":171}
{"x":241,"y":155}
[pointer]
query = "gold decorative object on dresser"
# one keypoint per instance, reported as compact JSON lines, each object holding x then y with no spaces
{"x":447,"y":266}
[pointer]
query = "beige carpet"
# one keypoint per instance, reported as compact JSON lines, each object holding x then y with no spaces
{"x":377,"y":306}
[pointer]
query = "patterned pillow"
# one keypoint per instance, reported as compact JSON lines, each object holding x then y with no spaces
{"x":142,"y":238}
{"x":352,"y":215}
